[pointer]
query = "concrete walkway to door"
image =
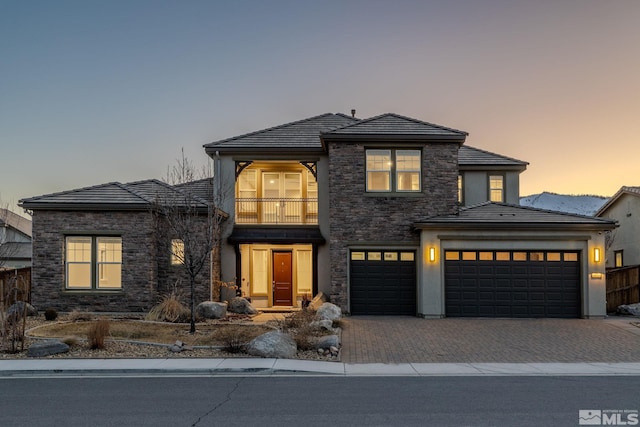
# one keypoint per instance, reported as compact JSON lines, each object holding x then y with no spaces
{"x":387,"y":339}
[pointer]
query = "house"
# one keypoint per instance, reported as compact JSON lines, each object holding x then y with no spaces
{"x":15,"y":240}
{"x":392,"y":215}
{"x":387,"y":216}
{"x":103,"y":248}
{"x":623,"y":248}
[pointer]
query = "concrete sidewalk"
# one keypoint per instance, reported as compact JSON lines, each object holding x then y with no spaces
{"x":280,"y":367}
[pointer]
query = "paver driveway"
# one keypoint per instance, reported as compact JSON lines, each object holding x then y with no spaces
{"x":386,"y":339}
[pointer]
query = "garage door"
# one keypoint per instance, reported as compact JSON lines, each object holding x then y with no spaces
{"x":512,"y":284}
{"x":383,"y":282}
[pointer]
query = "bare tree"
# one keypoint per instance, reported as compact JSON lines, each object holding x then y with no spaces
{"x":187,"y":207}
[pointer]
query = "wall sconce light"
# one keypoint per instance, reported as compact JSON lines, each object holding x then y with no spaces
{"x":432,"y":254}
{"x":596,"y":275}
{"x":596,"y":254}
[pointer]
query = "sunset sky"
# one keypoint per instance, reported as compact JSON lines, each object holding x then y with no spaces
{"x":100,"y":91}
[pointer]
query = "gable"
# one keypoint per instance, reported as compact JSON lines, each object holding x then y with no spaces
{"x":391,"y":126}
{"x":624,"y":191}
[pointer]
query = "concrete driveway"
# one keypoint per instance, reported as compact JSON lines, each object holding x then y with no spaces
{"x":387,"y":339}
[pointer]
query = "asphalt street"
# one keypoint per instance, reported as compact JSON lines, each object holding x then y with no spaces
{"x":311,"y":400}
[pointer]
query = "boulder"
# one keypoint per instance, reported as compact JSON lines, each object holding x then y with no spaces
{"x":328,"y":311}
{"x":211,"y":310}
{"x":273,"y":344}
{"x":241,"y":306}
{"x":47,"y":348}
{"x":317,"y":301}
{"x":328,"y":341}
{"x":322,"y":324}
{"x":631,"y":309}
{"x":18,"y":308}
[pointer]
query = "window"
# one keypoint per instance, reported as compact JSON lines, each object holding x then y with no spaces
{"x":177,"y":252}
{"x":93,"y":262}
{"x":619,"y":262}
{"x":460,"y":193}
{"x":393,"y":170}
{"x":496,"y":188}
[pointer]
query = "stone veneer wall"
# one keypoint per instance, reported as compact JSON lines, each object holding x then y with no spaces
{"x":357,"y":217}
{"x":146,"y":270}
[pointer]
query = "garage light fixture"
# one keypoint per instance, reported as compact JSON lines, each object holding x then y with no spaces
{"x":596,"y":254}
{"x":432,"y":254}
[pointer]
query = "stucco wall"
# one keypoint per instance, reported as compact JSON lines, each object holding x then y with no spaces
{"x":626,"y":210}
{"x":358,"y":218}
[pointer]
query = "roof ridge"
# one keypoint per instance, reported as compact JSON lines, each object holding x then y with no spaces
{"x":136,"y":193}
{"x":422,"y":122}
{"x":495,"y":154}
{"x":233,"y":138}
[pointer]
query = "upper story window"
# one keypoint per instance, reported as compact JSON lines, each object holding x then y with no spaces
{"x":496,"y":188}
{"x":460,"y":192}
{"x":93,"y":262}
{"x":393,"y":170}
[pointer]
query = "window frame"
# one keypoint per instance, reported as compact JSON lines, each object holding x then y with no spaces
{"x":94,"y":261}
{"x":491,"y":189}
{"x":177,"y":252}
{"x":393,"y":171}
{"x":617,"y":264}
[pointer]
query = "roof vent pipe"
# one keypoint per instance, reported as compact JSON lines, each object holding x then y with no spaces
{"x":353,"y":112}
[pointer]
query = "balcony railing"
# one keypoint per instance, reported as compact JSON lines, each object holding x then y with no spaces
{"x":276,"y":211}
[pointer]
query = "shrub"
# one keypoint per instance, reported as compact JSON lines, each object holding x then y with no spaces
{"x":170,"y":309}
{"x":235,"y":337}
{"x":50,"y":314}
{"x":305,"y":337}
{"x":98,"y":331}
{"x":70,"y":340}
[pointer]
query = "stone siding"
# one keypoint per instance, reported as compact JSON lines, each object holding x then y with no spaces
{"x":360,"y":218}
{"x":146,"y":270}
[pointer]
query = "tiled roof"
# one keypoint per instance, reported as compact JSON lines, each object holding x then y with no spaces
{"x":15,"y":221}
{"x":137,"y":195}
{"x":633,"y":191}
{"x":502,"y":215}
{"x":396,"y":126}
{"x":471,"y":156}
{"x":299,"y":135}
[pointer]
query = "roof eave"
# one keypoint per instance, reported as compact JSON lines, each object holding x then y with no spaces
{"x":528,"y":226}
{"x":212,"y":151}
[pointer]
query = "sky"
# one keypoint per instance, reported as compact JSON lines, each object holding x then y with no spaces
{"x":99,"y":91}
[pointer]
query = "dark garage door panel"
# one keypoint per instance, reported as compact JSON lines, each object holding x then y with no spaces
{"x":383,"y":287}
{"x":475,"y":288}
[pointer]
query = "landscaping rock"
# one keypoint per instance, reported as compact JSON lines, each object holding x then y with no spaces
{"x":273,"y":344}
{"x":47,"y":348}
{"x":328,"y":341}
{"x":322,"y":324}
{"x":211,"y":310}
{"x":631,"y":309}
{"x":317,"y":301}
{"x":17,"y":309}
{"x":328,"y":311}
{"x":241,"y":306}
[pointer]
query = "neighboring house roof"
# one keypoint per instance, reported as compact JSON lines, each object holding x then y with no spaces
{"x":472,"y":158}
{"x":491,"y":215}
{"x":394,"y":126}
{"x":301,"y":135}
{"x":632,"y":191}
{"x":137,"y":195}
{"x":15,"y":221}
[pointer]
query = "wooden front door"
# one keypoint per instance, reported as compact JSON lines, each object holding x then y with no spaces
{"x":282,"y":279}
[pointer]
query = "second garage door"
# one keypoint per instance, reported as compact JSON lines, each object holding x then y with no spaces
{"x":383,"y":282}
{"x":512,"y":284}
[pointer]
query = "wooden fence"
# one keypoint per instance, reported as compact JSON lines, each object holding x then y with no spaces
{"x":15,"y":285}
{"x":623,"y":287}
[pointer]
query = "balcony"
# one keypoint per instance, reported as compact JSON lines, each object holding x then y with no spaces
{"x":276,"y":211}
